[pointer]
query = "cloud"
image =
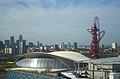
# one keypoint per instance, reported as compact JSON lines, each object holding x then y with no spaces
{"x":57,"y":19}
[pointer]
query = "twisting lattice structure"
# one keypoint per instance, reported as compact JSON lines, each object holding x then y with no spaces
{"x":97,"y":35}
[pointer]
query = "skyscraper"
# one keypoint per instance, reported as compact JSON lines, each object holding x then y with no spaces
{"x":24,"y":46}
{"x":8,"y":49}
{"x":69,"y":45}
{"x":12,"y":44}
{"x":38,"y":44}
{"x":31,"y":45}
{"x":7,"y":43}
{"x":17,"y":47}
{"x":20,"y":44}
{"x":20,"y":38}
{"x":20,"y":47}
{"x":63,"y":45}
{"x":75,"y":45}
{"x":2,"y":46}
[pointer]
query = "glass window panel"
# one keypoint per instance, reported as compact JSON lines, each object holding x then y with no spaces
{"x":46,"y":65}
{"x":41,"y":63}
{"x":57,"y":64}
{"x":52,"y":63}
{"x":55,"y":61}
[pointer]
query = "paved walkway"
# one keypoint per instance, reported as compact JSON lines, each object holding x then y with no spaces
{"x":2,"y":75}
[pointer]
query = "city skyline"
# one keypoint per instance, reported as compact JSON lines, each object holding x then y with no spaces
{"x":56,"y":21}
{"x":37,"y":43}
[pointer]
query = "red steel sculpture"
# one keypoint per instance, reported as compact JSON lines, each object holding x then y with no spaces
{"x":97,"y":35}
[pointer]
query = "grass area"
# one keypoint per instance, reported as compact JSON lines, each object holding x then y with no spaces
{"x":2,"y":70}
{"x":12,"y":64}
{"x":5,"y":65}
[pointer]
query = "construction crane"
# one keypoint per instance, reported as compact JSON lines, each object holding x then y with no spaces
{"x":97,"y":35}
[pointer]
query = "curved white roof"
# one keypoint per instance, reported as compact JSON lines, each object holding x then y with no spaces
{"x":70,"y":55}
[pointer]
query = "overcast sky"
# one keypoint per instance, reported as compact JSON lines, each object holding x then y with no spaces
{"x":56,"y":21}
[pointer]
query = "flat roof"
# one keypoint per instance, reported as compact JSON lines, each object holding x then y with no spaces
{"x":111,"y":60}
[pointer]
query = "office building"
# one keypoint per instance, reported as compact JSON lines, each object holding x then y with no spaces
{"x":22,"y":45}
{"x":2,"y":46}
{"x":7,"y":51}
{"x":75,"y":45}
{"x":69,"y":45}
{"x":12,"y":44}
{"x":20,"y":38}
{"x":7,"y":43}
{"x":17,"y":47}
{"x":56,"y":47}
{"x":30,"y":45}
{"x":114,"y":45}
{"x":63,"y":46}
{"x":38,"y":44}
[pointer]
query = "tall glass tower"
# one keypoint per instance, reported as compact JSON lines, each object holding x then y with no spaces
{"x":12,"y":44}
{"x":20,"y":38}
{"x":7,"y":43}
{"x":75,"y":45}
{"x":20,"y":44}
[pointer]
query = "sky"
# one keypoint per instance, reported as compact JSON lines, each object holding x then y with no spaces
{"x":57,"y":21}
